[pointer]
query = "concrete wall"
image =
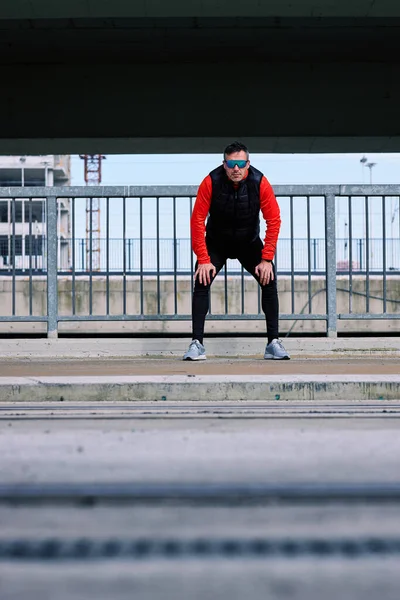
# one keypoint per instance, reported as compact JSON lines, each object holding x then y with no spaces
{"x":345,"y":303}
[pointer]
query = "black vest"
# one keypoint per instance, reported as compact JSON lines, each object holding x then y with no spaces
{"x":234,"y":214}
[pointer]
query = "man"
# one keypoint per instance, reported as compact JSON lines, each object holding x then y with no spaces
{"x":232,"y":196}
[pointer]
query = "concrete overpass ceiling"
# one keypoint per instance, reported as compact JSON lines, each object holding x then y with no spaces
{"x":47,"y":9}
{"x":157,"y":76}
{"x":138,"y":41}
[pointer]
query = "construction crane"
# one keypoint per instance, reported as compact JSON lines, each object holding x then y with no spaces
{"x":92,"y":169}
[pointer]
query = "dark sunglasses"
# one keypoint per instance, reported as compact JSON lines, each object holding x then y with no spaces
{"x":231,"y":164}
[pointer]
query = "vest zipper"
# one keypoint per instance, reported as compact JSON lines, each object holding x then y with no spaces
{"x":234,"y":213}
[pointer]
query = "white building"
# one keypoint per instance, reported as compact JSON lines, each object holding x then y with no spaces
{"x":22,"y":222}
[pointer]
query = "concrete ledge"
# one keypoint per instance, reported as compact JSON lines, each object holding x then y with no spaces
{"x":202,"y":388}
{"x":175,"y":347}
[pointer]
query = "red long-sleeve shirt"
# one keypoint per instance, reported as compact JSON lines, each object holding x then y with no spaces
{"x":269,"y":209}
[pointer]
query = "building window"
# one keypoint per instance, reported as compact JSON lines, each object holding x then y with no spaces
{"x":37,"y":208}
{"x":33,"y":246}
{"x":3,"y":211}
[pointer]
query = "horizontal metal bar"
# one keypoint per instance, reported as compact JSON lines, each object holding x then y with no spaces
{"x":98,"y":191}
{"x":173,"y":317}
{"x":16,"y":318}
{"x":306,"y":190}
{"x":368,"y":190}
{"x":119,"y":191}
{"x":368,"y":316}
{"x":222,"y":317}
{"x":302,"y":317}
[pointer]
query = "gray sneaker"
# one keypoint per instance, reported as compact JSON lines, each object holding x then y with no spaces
{"x":196,"y":351}
{"x":276,"y":351}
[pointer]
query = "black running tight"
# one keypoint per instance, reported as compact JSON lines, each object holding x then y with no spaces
{"x":249,"y":256}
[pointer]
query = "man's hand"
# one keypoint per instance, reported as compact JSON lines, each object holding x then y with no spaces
{"x":265,"y":272}
{"x":204,"y":273}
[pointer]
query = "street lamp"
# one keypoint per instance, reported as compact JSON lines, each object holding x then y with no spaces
{"x":363,"y":160}
{"x":22,"y":160}
{"x":370,"y":166}
{"x":368,"y":230}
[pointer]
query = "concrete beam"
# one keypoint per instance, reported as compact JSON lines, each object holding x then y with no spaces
{"x":45,"y":9}
{"x":281,"y":107}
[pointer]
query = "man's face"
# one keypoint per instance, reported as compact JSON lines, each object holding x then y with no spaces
{"x":236,"y":172}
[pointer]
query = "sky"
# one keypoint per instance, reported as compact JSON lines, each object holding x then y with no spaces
{"x":190,"y":169}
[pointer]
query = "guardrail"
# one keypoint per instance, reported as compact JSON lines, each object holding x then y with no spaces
{"x":135,"y":210}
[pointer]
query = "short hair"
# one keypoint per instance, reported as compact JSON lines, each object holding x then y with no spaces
{"x":236,"y":147}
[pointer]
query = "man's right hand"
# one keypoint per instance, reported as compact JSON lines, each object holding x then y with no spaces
{"x":205,"y":273}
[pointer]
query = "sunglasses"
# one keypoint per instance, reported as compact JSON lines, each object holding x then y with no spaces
{"x":231,"y":164}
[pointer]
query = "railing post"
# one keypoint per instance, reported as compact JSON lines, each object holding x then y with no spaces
{"x":52,"y":288}
{"x":315,"y":242}
{"x":83,"y":267}
{"x":330,"y":252}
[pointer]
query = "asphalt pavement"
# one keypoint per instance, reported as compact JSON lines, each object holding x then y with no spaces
{"x":194,"y":501}
{"x":126,"y":472}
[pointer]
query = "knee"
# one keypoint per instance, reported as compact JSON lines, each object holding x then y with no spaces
{"x":200,"y":289}
{"x":270,"y":289}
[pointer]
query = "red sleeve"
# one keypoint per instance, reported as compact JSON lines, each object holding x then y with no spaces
{"x":272,"y":215}
{"x":198,"y":221}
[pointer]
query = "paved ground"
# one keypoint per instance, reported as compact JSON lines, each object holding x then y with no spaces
{"x":328,"y":419}
{"x":226,"y":356}
{"x":152,"y":369}
{"x":296,"y":444}
{"x":89,"y":367}
{"x":204,"y":580}
{"x":86,"y":367}
{"x":126,"y":446}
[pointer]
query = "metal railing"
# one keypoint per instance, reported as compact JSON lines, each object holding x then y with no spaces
{"x":163,"y":292}
{"x":183,"y":248}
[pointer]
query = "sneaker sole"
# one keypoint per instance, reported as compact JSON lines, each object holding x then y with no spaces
{"x":276,"y":357}
{"x":202,"y":357}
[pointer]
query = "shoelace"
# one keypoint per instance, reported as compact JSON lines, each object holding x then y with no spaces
{"x":278,"y":343}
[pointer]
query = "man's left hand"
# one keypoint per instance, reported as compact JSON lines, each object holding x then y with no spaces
{"x":265,"y":272}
